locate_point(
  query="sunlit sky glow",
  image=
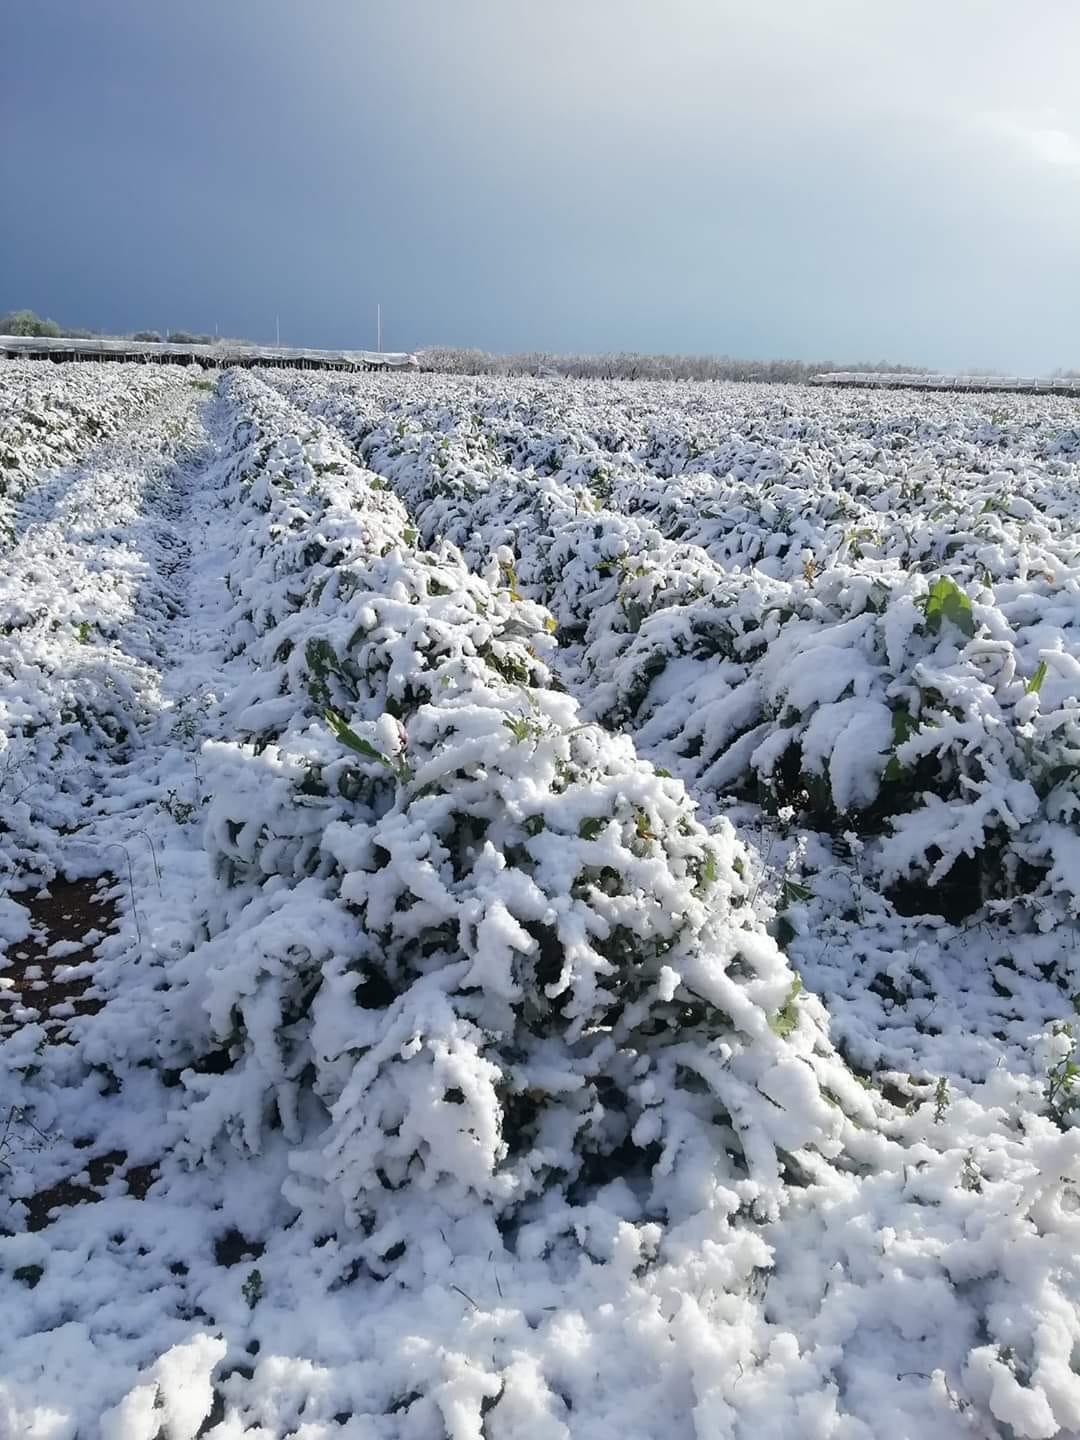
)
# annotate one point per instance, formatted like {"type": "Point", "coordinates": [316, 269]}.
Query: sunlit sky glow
{"type": "Point", "coordinates": [839, 179]}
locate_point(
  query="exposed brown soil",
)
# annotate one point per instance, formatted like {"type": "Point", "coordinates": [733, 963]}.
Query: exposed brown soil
{"type": "Point", "coordinates": [45, 985]}
{"type": "Point", "coordinates": [61, 1196]}
{"type": "Point", "coordinates": [139, 1179]}
{"type": "Point", "coordinates": [68, 1192]}
{"type": "Point", "coordinates": [51, 991]}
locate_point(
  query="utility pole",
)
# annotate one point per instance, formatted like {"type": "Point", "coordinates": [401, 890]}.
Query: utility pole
{"type": "Point", "coordinates": [277, 328]}
{"type": "Point", "coordinates": [378, 325]}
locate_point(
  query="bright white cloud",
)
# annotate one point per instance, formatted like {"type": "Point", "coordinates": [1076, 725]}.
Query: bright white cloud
{"type": "Point", "coordinates": [1056, 147]}
{"type": "Point", "coordinates": [1047, 143]}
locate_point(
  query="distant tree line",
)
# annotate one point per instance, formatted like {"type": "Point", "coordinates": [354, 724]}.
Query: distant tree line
{"type": "Point", "coordinates": [632, 366]}
{"type": "Point", "coordinates": [25, 322]}
{"type": "Point", "coordinates": [175, 337]}
{"type": "Point", "coordinates": [629, 365]}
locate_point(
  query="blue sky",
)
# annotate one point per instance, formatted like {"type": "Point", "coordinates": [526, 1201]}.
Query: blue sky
{"type": "Point", "coordinates": [839, 179]}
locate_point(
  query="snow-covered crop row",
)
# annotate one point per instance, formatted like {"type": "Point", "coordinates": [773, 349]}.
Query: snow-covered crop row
{"type": "Point", "coordinates": [83, 591]}
{"type": "Point", "coordinates": [884, 639]}
{"type": "Point", "coordinates": [496, 946]}
{"type": "Point", "coordinates": [50, 417]}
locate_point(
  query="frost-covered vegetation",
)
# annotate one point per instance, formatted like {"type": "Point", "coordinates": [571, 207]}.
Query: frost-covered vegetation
{"type": "Point", "coordinates": [630, 365]}
{"type": "Point", "coordinates": [843, 617]}
{"type": "Point", "coordinates": [597, 886]}
{"type": "Point", "coordinates": [50, 419]}
{"type": "Point", "coordinates": [26, 322]}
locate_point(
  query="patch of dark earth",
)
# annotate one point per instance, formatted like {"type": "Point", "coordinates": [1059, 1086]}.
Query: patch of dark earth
{"type": "Point", "coordinates": [70, 917]}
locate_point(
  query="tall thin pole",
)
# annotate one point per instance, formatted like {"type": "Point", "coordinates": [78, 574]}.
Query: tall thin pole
{"type": "Point", "coordinates": [277, 328]}
{"type": "Point", "coordinates": [378, 325]}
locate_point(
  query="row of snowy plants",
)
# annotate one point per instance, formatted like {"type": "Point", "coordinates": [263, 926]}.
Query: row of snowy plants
{"type": "Point", "coordinates": [465, 943]}
{"type": "Point", "coordinates": [51, 415]}
{"type": "Point", "coordinates": [82, 576]}
{"type": "Point", "coordinates": [891, 648]}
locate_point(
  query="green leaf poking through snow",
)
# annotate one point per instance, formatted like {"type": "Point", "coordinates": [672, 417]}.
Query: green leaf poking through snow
{"type": "Point", "coordinates": [946, 601]}
{"type": "Point", "coordinates": [787, 1017]}
{"type": "Point", "coordinates": [349, 737]}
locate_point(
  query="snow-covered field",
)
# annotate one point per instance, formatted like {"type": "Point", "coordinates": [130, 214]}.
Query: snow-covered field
{"type": "Point", "coordinates": [536, 909]}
